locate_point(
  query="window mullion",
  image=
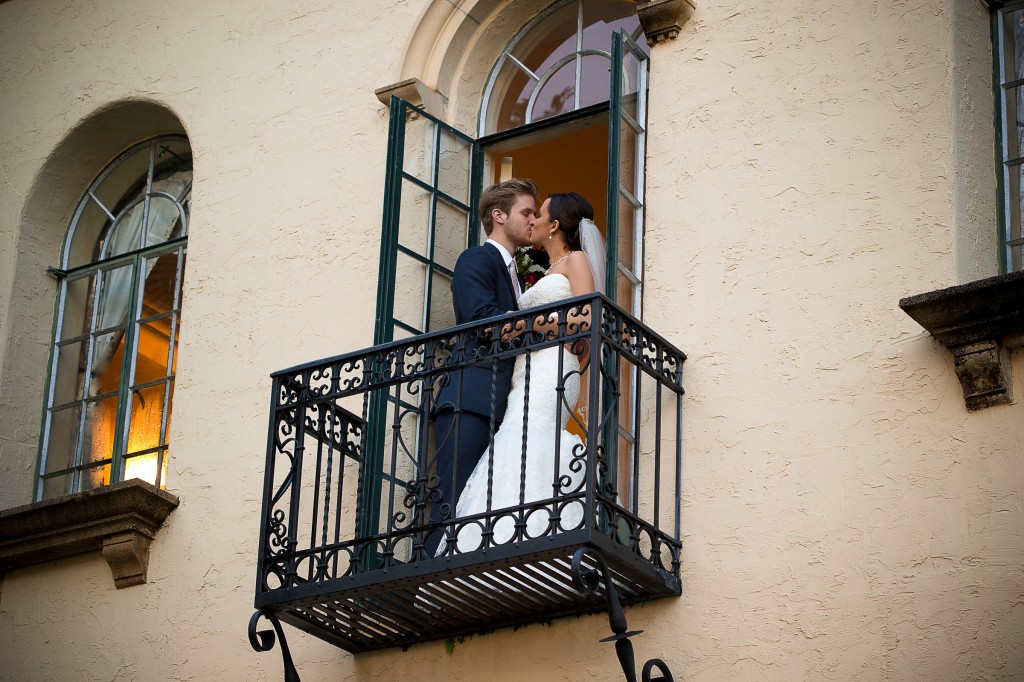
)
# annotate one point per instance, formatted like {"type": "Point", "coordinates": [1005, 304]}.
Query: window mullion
{"type": "Point", "coordinates": [527, 70]}
{"type": "Point", "coordinates": [579, 56]}
{"type": "Point", "coordinates": [130, 351]}
{"type": "Point", "coordinates": [146, 196]}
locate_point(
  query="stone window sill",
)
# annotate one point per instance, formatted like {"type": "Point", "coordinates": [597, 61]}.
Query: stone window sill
{"type": "Point", "coordinates": [978, 322]}
{"type": "Point", "coordinates": [120, 520]}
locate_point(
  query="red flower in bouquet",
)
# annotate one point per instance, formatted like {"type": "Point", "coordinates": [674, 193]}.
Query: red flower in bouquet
{"type": "Point", "coordinates": [529, 272]}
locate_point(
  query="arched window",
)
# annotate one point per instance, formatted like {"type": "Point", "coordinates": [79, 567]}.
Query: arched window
{"type": "Point", "coordinates": [112, 368]}
{"type": "Point", "coordinates": [559, 62]}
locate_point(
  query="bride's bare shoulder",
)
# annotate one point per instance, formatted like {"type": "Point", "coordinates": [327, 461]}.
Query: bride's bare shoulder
{"type": "Point", "coordinates": [577, 271]}
{"type": "Point", "coordinates": [577, 259]}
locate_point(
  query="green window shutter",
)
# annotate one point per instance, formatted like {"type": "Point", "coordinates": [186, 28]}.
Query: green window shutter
{"type": "Point", "coordinates": [627, 131]}
{"type": "Point", "coordinates": [429, 218]}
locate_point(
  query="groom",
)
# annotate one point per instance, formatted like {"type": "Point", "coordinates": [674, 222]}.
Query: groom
{"type": "Point", "coordinates": [485, 284]}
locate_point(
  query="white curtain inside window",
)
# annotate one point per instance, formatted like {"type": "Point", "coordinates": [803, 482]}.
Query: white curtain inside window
{"type": "Point", "coordinates": [128, 235]}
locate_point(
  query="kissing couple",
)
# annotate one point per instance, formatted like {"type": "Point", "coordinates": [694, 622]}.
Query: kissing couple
{"type": "Point", "coordinates": [486, 284]}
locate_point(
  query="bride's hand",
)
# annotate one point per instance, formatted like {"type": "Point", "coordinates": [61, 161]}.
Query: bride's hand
{"type": "Point", "coordinates": [578, 348]}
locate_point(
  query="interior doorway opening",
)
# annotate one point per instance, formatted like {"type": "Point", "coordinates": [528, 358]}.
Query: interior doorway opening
{"type": "Point", "coordinates": [571, 157]}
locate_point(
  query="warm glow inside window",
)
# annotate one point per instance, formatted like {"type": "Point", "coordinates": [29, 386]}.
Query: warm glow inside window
{"type": "Point", "coordinates": [112, 372]}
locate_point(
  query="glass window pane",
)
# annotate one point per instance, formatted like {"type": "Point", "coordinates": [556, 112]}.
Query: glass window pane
{"type": "Point", "coordinates": [627, 234]}
{"type": "Point", "coordinates": [1013, 37]}
{"type": "Point", "coordinates": [1015, 192]}
{"type": "Point", "coordinates": [152, 349]}
{"type": "Point", "coordinates": [553, 38]}
{"type": "Point", "coordinates": [56, 486]}
{"type": "Point", "coordinates": [173, 154]}
{"type": "Point", "coordinates": [514, 88]}
{"type": "Point", "coordinates": [158, 293]}
{"type": "Point", "coordinates": [594, 79]}
{"type": "Point", "coordinates": [627, 158]}
{"type": "Point", "coordinates": [418, 156]}
{"type": "Point", "coordinates": [119, 187]}
{"type": "Point", "coordinates": [1014, 125]}
{"type": "Point", "coordinates": [77, 306]}
{"type": "Point", "coordinates": [126, 234]}
{"type": "Point", "coordinates": [410, 290]}
{"type": "Point", "coordinates": [442, 311]}
{"type": "Point", "coordinates": [556, 96]}
{"type": "Point", "coordinates": [167, 414]}
{"type": "Point", "coordinates": [146, 417]}
{"type": "Point", "coordinates": [414, 222]}
{"type": "Point", "coordinates": [151, 219]}
{"type": "Point", "coordinates": [603, 17]}
{"type": "Point", "coordinates": [63, 438]}
{"type": "Point", "coordinates": [454, 161]}
{"type": "Point", "coordinates": [1014, 200]}
{"type": "Point", "coordinates": [68, 381]}
{"type": "Point", "coordinates": [624, 294]}
{"type": "Point", "coordinates": [94, 477]}
{"type": "Point", "coordinates": [146, 467]}
{"type": "Point", "coordinates": [451, 229]}
{"type": "Point", "coordinates": [115, 296]}
{"type": "Point", "coordinates": [100, 422]}
{"type": "Point", "coordinates": [92, 223]}
{"type": "Point", "coordinates": [174, 351]}
{"type": "Point", "coordinates": [165, 214]}
{"type": "Point", "coordinates": [107, 361]}
{"type": "Point", "coordinates": [632, 75]}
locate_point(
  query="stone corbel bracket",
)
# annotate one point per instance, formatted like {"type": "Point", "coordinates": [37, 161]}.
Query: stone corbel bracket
{"type": "Point", "coordinates": [417, 93]}
{"type": "Point", "coordinates": [978, 322]}
{"type": "Point", "coordinates": [663, 19]}
{"type": "Point", "coordinates": [120, 520]}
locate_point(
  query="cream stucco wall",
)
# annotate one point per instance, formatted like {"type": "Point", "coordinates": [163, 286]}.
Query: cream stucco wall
{"type": "Point", "coordinates": [845, 517]}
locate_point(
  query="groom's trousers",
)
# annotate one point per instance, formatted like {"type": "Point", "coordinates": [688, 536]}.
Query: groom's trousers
{"type": "Point", "coordinates": [461, 439]}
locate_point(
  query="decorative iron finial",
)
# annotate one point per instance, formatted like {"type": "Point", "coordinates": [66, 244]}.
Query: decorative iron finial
{"type": "Point", "coordinates": [590, 580]}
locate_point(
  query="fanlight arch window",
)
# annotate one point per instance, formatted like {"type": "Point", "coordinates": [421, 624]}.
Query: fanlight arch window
{"type": "Point", "coordinates": [112, 369]}
{"type": "Point", "coordinates": [559, 62]}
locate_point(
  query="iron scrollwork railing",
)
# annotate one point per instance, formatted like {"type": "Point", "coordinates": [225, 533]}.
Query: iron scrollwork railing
{"type": "Point", "coordinates": [351, 476]}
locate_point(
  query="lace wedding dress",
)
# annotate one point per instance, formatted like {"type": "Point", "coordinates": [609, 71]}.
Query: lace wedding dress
{"type": "Point", "coordinates": [548, 413]}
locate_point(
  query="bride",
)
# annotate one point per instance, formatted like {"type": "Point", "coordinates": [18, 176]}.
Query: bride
{"type": "Point", "coordinates": [564, 228]}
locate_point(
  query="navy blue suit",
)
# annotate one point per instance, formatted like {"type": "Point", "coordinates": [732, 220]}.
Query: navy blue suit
{"type": "Point", "coordinates": [481, 288]}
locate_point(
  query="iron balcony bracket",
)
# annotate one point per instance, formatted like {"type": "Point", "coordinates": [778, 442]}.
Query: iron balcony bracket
{"type": "Point", "coordinates": [589, 580]}
{"type": "Point", "coordinates": [264, 641]}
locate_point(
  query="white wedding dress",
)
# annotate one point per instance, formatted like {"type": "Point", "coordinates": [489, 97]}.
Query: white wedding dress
{"type": "Point", "coordinates": [548, 414]}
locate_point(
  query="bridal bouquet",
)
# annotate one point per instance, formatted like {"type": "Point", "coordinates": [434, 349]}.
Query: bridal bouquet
{"type": "Point", "coordinates": [529, 271]}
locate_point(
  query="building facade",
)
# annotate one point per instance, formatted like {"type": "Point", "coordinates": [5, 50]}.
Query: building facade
{"type": "Point", "coordinates": [851, 493]}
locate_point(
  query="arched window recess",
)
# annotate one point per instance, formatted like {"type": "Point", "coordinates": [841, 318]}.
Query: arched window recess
{"type": "Point", "coordinates": [112, 369]}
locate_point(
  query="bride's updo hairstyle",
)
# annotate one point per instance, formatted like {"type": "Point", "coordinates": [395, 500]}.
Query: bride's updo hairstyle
{"type": "Point", "coordinates": [569, 208]}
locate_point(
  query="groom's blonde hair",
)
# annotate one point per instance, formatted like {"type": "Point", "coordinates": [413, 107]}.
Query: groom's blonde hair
{"type": "Point", "coordinates": [502, 196]}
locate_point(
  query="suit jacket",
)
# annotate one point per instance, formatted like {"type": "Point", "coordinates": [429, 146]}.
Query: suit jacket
{"type": "Point", "coordinates": [481, 288]}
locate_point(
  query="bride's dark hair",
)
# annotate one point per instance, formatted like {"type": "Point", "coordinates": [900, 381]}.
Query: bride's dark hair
{"type": "Point", "coordinates": [569, 208]}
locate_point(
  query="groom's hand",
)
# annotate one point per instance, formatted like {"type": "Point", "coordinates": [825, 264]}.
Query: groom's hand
{"type": "Point", "coordinates": [512, 329]}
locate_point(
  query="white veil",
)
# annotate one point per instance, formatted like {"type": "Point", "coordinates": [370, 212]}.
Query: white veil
{"type": "Point", "coordinates": [593, 246]}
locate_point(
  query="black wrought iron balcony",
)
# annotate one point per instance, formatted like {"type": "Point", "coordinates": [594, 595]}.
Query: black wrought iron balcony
{"type": "Point", "coordinates": [358, 545]}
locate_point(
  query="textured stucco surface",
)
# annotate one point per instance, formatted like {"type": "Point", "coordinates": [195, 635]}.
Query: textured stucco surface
{"type": "Point", "coordinates": [845, 517]}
